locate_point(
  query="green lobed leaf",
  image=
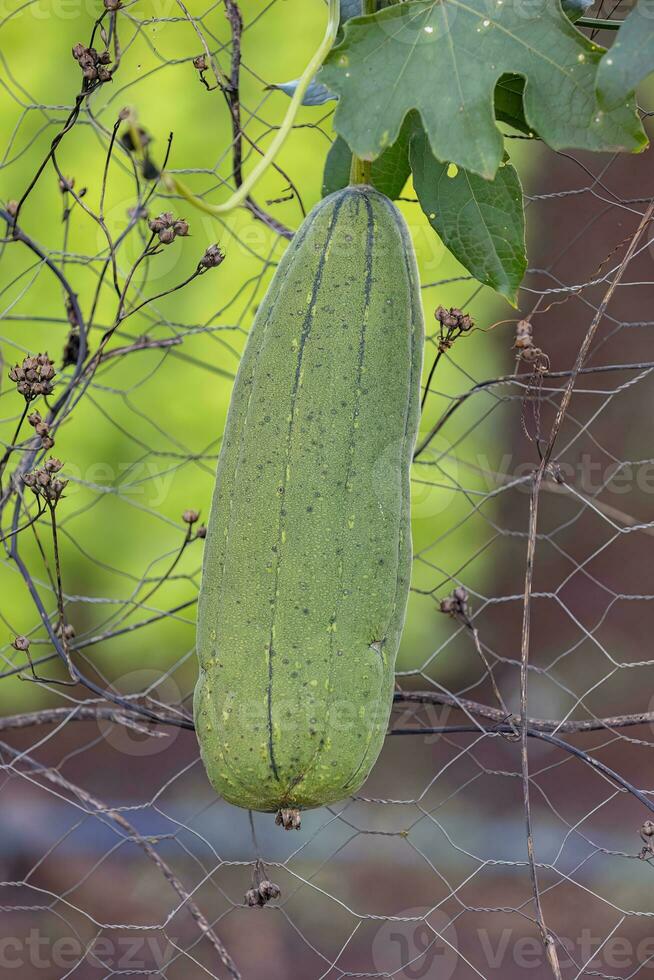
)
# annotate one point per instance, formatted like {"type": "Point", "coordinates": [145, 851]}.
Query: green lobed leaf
{"type": "Point", "coordinates": [480, 221]}
{"type": "Point", "coordinates": [509, 108]}
{"type": "Point", "coordinates": [630, 58]}
{"type": "Point", "coordinates": [427, 55]}
{"type": "Point", "coordinates": [390, 171]}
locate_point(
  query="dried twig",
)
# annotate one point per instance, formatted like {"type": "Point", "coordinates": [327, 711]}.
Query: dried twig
{"type": "Point", "coordinates": [548, 940]}
{"type": "Point", "coordinates": [97, 807]}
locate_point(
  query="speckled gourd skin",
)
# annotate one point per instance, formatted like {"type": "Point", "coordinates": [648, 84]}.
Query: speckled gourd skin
{"type": "Point", "coordinates": [308, 551]}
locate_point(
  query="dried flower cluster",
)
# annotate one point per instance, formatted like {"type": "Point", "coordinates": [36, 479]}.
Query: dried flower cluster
{"type": "Point", "coordinates": [453, 323]}
{"type": "Point", "coordinates": [456, 604]}
{"type": "Point", "coordinates": [21, 643]}
{"type": "Point", "coordinates": [264, 893]}
{"type": "Point", "coordinates": [647, 837]}
{"type": "Point", "coordinates": [34, 376]}
{"type": "Point", "coordinates": [45, 483]}
{"type": "Point", "coordinates": [527, 349]}
{"type": "Point", "coordinates": [42, 429]}
{"type": "Point", "coordinates": [289, 818]}
{"type": "Point", "coordinates": [213, 256]}
{"type": "Point", "coordinates": [454, 318]}
{"type": "Point", "coordinates": [93, 64]}
{"type": "Point", "coordinates": [167, 227]}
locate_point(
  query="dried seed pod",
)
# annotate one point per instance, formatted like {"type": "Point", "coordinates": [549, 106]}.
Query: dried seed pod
{"type": "Point", "coordinates": [34, 376]}
{"type": "Point", "coordinates": [166, 236]}
{"type": "Point", "coordinates": [289, 819]}
{"type": "Point", "coordinates": [212, 257]}
{"type": "Point", "coordinates": [268, 890]}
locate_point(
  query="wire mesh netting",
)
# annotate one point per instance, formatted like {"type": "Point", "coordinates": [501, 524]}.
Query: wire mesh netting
{"type": "Point", "coordinates": [504, 830]}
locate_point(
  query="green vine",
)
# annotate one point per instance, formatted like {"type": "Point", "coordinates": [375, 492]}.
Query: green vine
{"type": "Point", "coordinates": [239, 196]}
{"type": "Point", "coordinates": [361, 170]}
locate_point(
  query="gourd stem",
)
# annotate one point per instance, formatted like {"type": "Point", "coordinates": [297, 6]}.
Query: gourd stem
{"type": "Point", "coordinates": [239, 196]}
{"type": "Point", "coordinates": [361, 170]}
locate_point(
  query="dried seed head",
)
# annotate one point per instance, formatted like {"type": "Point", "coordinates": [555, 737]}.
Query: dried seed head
{"type": "Point", "coordinates": [34, 376]}
{"type": "Point", "coordinates": [12, 208]}
{"type": "Point", "coordinates": [201, 531]}
{"type": "Point", "coordinates": [45, 484]}
{"type": "Point", "coordinates": [288, 818]}
{"type": "Point", "coordinates": [200, 62]}
{"type": "Point", "coordinates": [268, 891]}
{"type": "Point", "coordinates": [212, 257]}
{"type": "Point", "coordinates": [190, 516]}
{"type": "Point", "coordinates": [21, 643]}
{"type": "Point", "coordinates": [253, 898]}
{"type": "Point", "coordinates": [523, 335]}
{"type": "Point", "coordinates": [157, 224]}
{"type": "Point", "coordinates": [42, 429]}
{"type": "Point", "coordinates": [647, 837]}
{"type": "Point", "coordinates": [453, 323]}
{"type": "Point", "coordinates": [92, 63]}
{"type": "Point", "coordinates": [456, 604]}
{"type": "Point", "coordinates": [112, 5]}
{"type": "Point", "coordinates": [647, 830]}
{"type": "Point", "coordinates": [166, 236]}
{"type": "Point", "coordinates": [181, 227]}
{"type": "Point", "coordinates": [66, 184]}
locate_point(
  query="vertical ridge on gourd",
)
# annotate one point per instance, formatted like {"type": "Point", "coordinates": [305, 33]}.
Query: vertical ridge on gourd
{"type": "Point", "coordinates": [308, 551]}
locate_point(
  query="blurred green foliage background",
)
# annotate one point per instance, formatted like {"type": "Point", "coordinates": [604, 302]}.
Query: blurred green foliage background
{"type": "Point", "coordinates": [140, 446]}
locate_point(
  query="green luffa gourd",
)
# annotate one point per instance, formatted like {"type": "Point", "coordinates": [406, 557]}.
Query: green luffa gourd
{"type": "Point", "coordinates": [308, 551]}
